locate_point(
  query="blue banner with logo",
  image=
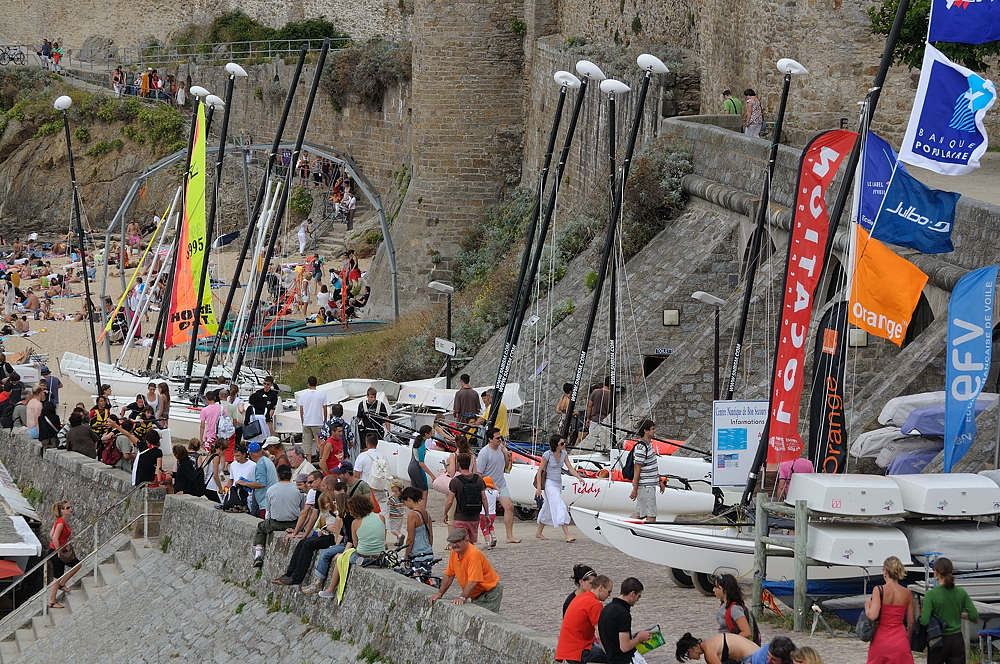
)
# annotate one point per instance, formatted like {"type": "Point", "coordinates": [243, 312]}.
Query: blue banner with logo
{"type": "Point", "coordinates": [945, 133]}
{"type": "Point", "coordinates": [964, 21]}
{"type": "Point", "coordinates": [876, 170]}
{"type": "Point", "coordinates": [970, 347]}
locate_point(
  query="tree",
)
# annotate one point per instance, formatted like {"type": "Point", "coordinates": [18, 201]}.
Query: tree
{"type": "Point", "coordinates": [910, 47]}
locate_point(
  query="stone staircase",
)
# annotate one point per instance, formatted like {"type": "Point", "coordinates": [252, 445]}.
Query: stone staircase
{"type": "Point", "coordinates": [29, 623]}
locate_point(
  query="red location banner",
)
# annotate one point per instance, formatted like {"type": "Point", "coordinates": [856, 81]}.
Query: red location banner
{"type": "Point", "coordinates": [810, 228]}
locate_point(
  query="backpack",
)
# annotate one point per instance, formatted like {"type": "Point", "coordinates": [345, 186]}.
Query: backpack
{"type": "Point", "coordinates": [7, 414]}
{"type": "Point", "coordinates": [109, 453]}
{"type": "Point", "coordinates": [381, 475]}
{"type": "Point", "coordinates": [628, 470]}
{"type": "Point", "coordinates": [199, 481]}
{"type": "Point", "coordinates": [754, 627]}
{"type": "Point", "coordinates": [225, 428]}
{"type": "Point", "coordinates": [469, 501]}
{"type": "Point", "coordinates": [236, 499]}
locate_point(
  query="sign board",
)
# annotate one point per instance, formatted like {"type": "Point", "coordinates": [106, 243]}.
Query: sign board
{"type": "Point", "coordinates": [444, 346]}
{"type": "Point", "coordinates": [663, 351]}
{"type": "Point", "coordinates": [736, 430]}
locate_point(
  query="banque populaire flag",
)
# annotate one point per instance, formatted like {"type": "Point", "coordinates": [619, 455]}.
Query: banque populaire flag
{"type": "Point", "coordinates": [945, 133]}
{"type": "Point", "coordinates": [964, 21]}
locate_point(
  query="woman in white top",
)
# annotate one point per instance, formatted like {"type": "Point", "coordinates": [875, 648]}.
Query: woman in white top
{"type": "Point", "coordinates": [548, 480]}
{"type": "Point", "coordinates": [305, 229]}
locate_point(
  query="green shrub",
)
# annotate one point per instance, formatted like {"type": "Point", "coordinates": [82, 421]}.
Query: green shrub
{"type": "Point", "coordinates": [560, 311]}
{"type": "Point", "coordinates": [132, 132]}
{"type": "Point", "coordinates": [493, 238]}
{"type": "Point", "coordinates": [101, 148]}
{"type": "Point", "coordinates": [49, 128]}
{"type": "Point", "coordinates": [653, 194]}
{"type": "Point", "coordinates": [82, 134]}
{"type": "Point", "coordinates": [590, 280]}
{"type": "Point", "coordinates": [366, 71]}
{"type": "Point", "coordinates": [301, 202]}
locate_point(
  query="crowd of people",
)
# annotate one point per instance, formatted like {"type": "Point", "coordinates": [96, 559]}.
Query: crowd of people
{"type": "Point", "coordinates": [148, 84]}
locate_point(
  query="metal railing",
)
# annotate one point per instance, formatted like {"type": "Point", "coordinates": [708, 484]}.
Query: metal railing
{"type": "Point", "coordinates": [78, 537]}
{"type": "Point", "coordinates": [155, 55]}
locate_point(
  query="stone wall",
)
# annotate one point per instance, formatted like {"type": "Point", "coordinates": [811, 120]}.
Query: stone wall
{"type": "Point", "coordinates": [143, 22]}
{"type": "Point", "coordinates": [383, 612]}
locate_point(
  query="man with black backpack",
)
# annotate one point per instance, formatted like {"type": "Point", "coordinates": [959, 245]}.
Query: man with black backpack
{"type": "Point", "coordinates": [643, 461]}
{"type": "Point", "coordinates": [467, 492]}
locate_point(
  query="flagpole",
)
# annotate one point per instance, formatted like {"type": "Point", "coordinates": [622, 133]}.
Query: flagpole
{"type": "Point", "coordinates": [838, 211]}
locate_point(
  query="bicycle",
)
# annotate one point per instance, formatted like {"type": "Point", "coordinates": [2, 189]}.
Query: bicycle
{"type": "Point", "coordinates": [12, 55]}
{"type": "Point", "coordinates": [420, 568]}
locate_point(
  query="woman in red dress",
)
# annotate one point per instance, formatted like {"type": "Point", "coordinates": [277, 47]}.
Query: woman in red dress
{"type": "Point", "coordinates": [59, 536]}
{"type": "Point", "coordinates": [891, 603]}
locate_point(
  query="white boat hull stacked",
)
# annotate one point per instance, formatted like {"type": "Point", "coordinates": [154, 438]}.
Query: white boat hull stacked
{"type": "Point", "coordinates": [596, 494]}
{"type": "Point", "coordinates": [80, 369]}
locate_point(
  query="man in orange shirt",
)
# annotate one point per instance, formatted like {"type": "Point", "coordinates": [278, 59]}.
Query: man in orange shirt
{"type": "Point", "coordinates": [476, 577]}
{"type": "Point", "coordinates": [579, 626]}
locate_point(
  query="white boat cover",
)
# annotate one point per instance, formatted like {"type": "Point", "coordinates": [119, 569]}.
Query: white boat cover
{"type": "Point", "coordinates": [902, 444]}
{"type": "Point", "coordinates": [895, 411]}
{"type": "Point", "coordinates": [970, 545]}
{"type": "Point", "coordinates": [870, 443]}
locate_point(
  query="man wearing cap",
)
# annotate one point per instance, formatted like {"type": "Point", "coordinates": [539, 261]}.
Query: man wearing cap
{"type": "Point", "coordinates": [264, 476]}
{"type": "Point", "coordinates": [477, 579]}
{"type": "Point", "coordinates": [345, 471]}
{"type": "Point", "coordinates": [276, 452]}
{"type": "Point", "coordinates": [284, 503]}
{"type": "Point", "coordinates": [52, 384]}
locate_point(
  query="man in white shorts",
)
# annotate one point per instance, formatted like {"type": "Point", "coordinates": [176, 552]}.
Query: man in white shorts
{"type": "Point", "coordinates": [312, 409]}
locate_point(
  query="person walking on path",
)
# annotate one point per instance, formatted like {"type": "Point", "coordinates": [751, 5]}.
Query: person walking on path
{"type": "Point", "coordinates": [615, 624]}
{"type": "Point", "coordinates": [493, 459]}
{"type": "Point", "coordinates": [753, 114]}
{"type": "Point", "coordinates": [548, 480]}
{"type": "Point", "coordinates": [477, 580]}
{"type": "Point", "coordinates": [59, 536]}
{"type": "Point", "coordinates": [947, 601]}
{"type": "Point", "coordinates": [731, 105]}
{"type": "Point", "coordinates": [468, 492]}
{"type": "Point", "coordinates": [646, 475]}
{"type": "Point", "coordinates": [890, 604]}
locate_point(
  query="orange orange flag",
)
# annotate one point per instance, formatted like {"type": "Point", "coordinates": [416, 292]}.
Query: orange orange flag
{"type": "Point", "coordinates": [885, 290]}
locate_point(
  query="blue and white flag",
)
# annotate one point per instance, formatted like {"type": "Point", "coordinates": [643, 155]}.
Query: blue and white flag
{"type": "Point", "coordinates": [876, 170]}
{"type": "Point", "coordinates": [914, 215]}
{"type": "Point", "coordinates": [909, 213]}
{"type": "Point", "coordinates": [970, 346]}
{"type": "Point", "coordinates": [964, 21]}
{"type": "Point", "coordinates": [945, 133]}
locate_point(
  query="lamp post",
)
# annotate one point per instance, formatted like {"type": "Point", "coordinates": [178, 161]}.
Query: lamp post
{"type": "Point", "coordinates": [62, 104]}
{"type": "Point", "coordinates": [447, 289]}
{"type": "Point", "coordinates": [718, 303]}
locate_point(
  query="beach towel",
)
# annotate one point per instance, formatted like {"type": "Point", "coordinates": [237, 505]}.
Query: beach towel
{"type": "Point", "coordinates": [343, 567]}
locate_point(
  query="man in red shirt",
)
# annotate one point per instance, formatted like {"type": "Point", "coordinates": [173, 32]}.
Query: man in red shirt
{"type": "Point", "coordinates": [579, 626]}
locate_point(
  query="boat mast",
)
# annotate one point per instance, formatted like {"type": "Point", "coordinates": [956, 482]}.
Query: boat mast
{"type": "Point", "coordinates": [835, 215]}
{"type": "Point", "coordinates": [789, 67]}
{"type": "Point", "coordinates": [589, 71]}
{"type": "Point", "coordinates": [252, 220]}
{"type": "Point", "coordinates": [651, 65]}
{"type": "Point", "coordinates": [234, 71]}
{"type": "Point", "coordinates": [276, 222]}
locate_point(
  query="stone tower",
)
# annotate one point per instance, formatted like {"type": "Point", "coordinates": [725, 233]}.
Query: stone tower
{"type": "Point", "coordinates": [467, 94]}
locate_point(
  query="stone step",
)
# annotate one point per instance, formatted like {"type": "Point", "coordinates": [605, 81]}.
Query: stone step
{"type": "Point", "coordinates": [8, 650]}
{"type": "Point", "coordinates": [108, 574]}
{"type": "Point", "coordinates": [25, 636]}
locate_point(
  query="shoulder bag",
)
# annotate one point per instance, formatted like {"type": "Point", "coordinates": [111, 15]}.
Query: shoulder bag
{"type": "Point", "coordinates": [865, 627]}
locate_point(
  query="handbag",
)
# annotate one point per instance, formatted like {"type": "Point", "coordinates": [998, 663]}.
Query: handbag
{"type": "Point", "coordinates": [66, 554]}
{"type": "Point", "coordinates": [252, 429]}
{"type": "Point", "coordinates": [865, 627]}
{"type": "Point", "coordinates": [441, 482]}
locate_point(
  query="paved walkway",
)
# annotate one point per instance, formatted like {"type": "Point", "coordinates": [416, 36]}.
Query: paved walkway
{"type": "Point", "coordinates": [536, 577]}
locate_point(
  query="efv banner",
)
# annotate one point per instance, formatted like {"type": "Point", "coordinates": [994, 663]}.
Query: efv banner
{"type": "Point", "coordinates": [945, 133]}
{"type": "Point", "coordinates": [964, 21]}
{"type": "Point", "coordinates": [909, 213]}
{"type": "Point", "coordinates": [970, 347]}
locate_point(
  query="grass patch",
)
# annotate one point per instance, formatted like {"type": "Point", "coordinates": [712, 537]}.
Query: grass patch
{"type": "Point", "coordinates": [165, 543]}
{"type": "Point", "coordinates": [403, 351]}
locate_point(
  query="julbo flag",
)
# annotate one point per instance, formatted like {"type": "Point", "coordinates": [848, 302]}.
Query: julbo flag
{"type": "Point", "coordinates": [885, 290]}
{"type": "Point", "coordinates": [970, 347]}
{"type": "Point", "coordinates": [806, 248]}
{"type": "Point", "coordinates": [945, 133]}
{"type": "Point", "coordinates": [964, 21]}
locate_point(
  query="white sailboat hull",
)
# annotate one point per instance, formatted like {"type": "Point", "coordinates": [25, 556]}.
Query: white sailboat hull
{"type": "Point", "coordinates": [597, 494]}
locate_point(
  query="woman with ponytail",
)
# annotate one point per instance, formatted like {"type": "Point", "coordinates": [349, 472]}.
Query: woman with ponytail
{"type": "Point", "coordinates": [947, 601]}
